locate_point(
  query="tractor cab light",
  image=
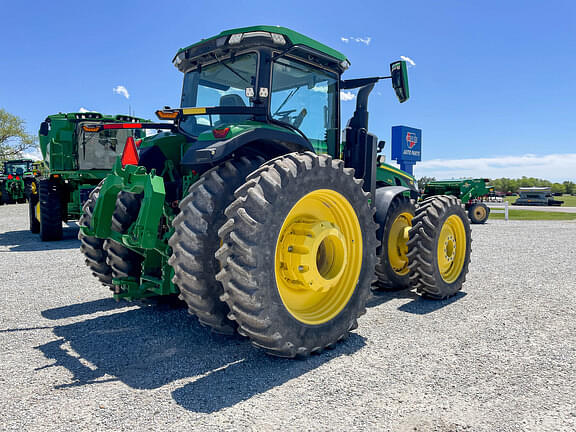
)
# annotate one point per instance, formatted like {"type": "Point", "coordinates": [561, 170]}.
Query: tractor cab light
{"type": "Point", "coordinates": [130, 153]}
{"type": "Point", "coordinates": [55, 175]}
{"type": "Point", "coordinates": [235, 39]}
{"type": "Point", "coordinates": [220, 133]}
{"type": "Point", "coordinates": [91, 128]}
{"type": "Point", "coordinates": [167, 115]}
{"type": "Point", "coordinates": [278, 39]}
{"type": "Point", "coordinates": [10, 177]}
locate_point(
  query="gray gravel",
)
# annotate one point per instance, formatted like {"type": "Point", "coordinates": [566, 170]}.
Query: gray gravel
{"type": "Point", "coordinates": [498, 357]}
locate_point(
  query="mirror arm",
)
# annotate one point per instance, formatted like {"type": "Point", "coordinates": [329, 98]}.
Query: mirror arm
{"type": "Point", "coordinates": [360, 82]}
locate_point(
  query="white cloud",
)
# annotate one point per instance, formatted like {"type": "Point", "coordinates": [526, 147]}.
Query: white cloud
{"type": "Point", "coordinates": [554, 167]}
{"type": "Point", "coordinates": [346, 96]}
{"type": "Point", "coordinates": [408, 60]}
{"type": "Point", "coordinates": [121, 90]}
{"type": "Point", "coordinates": [85, 110]}
{"type": "Point", "coordinates": [365, 40]}
{"type": "Point", "coordinates": [35, 155]}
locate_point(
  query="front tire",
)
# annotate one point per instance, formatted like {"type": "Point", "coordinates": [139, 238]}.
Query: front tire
{"type": "Point", "coordinates": [50, 211]}
{"type": "Point", "coordinates": [195, 241]}
{"type": "Point", "coordinates": [298, 254]}
{"type": "Point", "coordinates": [92, 247]}
{"type": "Point", "coordinates": [439, 247]}
{"type": "Point", "coordinates": [124, 262]}
{"type": "Point", "coordinates": [392, 268]}
{"type": "Point", "coordinates": [478, 213]}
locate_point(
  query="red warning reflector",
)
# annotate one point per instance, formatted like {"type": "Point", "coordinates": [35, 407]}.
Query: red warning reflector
{"type": "Point", "coordinates": [220, 133]}
{"type": "Point", "coordinates": [130, 153]}
{"type": "Point", "coordinates": [9, 176]}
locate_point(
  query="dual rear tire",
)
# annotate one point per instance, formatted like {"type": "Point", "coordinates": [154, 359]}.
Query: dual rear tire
{"type": "Point", "coordinates": [294, 255]}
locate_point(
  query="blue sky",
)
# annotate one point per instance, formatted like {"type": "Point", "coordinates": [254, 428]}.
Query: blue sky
{"type": "Point", "coordinates": [493, 87]}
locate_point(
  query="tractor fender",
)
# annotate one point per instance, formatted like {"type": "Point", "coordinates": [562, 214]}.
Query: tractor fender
{"type": "Point", "coordinates": [382, 199]}
{"type": "Point", "coordinates": [267, 142]}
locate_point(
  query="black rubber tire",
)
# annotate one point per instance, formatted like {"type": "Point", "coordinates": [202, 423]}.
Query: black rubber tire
{"type": "Point", "coordinates": [195, 241]}
{"type": "Point", "coordinates": [124, 262]}
{"type": "Point", "coordinates": [388, 279]}
{"type": "Point", "coordinates": [248, 252]}
{"type": "Point", "coordinates": [478, 213]}
{"type": "Point", "coordinates": [34, 223]}
{"type": "Point", "coordinates": [427, 224]}
{"type": "Point", "coordinates": [93, 247]}
{"type": "Point", "coordinates": [50, 211]}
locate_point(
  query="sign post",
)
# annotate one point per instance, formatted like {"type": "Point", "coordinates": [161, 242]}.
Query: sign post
{"type": "Point", "coordinates": [406, 146]}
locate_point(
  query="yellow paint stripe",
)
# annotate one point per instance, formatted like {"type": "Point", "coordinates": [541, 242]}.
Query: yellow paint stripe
{"type": "Point", "coordinates": [190, 111]}
{"type": "Point", "coordinates": [389, 168]}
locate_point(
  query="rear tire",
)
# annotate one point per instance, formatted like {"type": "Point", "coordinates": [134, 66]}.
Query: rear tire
{"type": "Point", "coordinates": [50, 211]}
{"type": "Point", "coordinates": [392, 267]}
{"type": "Point", "coordinates": [478, 213]}
{"type": "Point", "coordinates": [439, 247]}
{"type": "Point", "coordinates": [312, 202]}
{"type": "Point", "coordinates": [195, 241]}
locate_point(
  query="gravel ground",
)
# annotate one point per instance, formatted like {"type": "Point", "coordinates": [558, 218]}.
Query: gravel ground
{"type": "Point", "coordinates": [498, 357]}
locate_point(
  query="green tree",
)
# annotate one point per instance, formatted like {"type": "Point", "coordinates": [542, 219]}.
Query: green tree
{"type": "Point", "coordinates": [558, 188]}
{"type": "Point", "coordinates": [423, 180]}
{"type": "Point", "coordinates": [569, 187]}
{"type": "Point", "coordinates": [13, 137]}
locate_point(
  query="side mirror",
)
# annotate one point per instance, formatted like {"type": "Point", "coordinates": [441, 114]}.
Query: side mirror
{"type": "Point", "coordinates": [44, 129]}
{"type": "Point", "coordinates": [399, 74]}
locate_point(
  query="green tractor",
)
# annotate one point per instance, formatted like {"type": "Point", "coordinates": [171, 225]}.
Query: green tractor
{"type": "Point", "coordinates": [253, 210]}
{"type": "Point", "coordinates": [75, 161]}
{"type": "Point", "coordinates": [469, 191]}
{"type": "Point", "coordinates": [15, 181]}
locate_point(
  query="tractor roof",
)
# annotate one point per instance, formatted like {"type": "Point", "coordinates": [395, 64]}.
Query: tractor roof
{"type": "Point", "coordinates": [229, 38]}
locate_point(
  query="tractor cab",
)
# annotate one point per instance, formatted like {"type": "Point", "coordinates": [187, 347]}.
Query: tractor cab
{"type": "Point", "coordinates": [262, 76]}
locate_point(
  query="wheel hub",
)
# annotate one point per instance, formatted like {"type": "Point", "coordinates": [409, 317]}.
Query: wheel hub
{"type": "Point", "coordinates": [314, 256]}
{"type": "Point", "coordinates": [450, 248]}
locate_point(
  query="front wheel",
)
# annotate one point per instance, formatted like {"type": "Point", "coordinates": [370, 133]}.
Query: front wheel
{"type": "Point", "coordinates": [439, 247]}
{"type": "Point", "coordinates": [298, 254]}
{"type": "Point", "coordinates": [478, 213]}
{"type": "Point", "coordinates": [392, 268]}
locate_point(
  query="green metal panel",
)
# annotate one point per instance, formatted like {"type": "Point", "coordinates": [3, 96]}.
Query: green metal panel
{"type": "Point", "coordinates": [294, 37]}
{"type": "Point", "coordinates": [464, 189]}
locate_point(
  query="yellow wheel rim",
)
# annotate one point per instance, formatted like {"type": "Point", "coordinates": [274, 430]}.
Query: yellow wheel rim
{"type": "Point", "coordinates": [451, 249]}
{"type": "Point", "coordinates": [37, 211]}
{"type": "Point", "coordinates": [397, 243]}
{"type": "Point", "coordinates": [33, 188]}
{"type": "Point", "coordinates": [318, 256]}
{"type": "Point", "coordinates": [479, 212]}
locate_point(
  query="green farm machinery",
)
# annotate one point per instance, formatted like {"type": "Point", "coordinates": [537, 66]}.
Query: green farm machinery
{"type": "Point", "coordinates": [470, 191]}
{"type": "Point", "coordinates": [75, 161]}
{"type": "Point", "coordinates": [15, 180]}
{"type": "Point", "coordinates": [253, 210]}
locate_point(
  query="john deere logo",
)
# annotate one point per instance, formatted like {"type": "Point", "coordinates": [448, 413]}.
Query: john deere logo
{"type": "Point", "coordinates": [411, 139]}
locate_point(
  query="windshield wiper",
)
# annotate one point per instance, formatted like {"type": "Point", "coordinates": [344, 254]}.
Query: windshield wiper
{"type": "Point", "coordinates": [292, 93]}
{"type": "Point", "coordinates": [230, 69]}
